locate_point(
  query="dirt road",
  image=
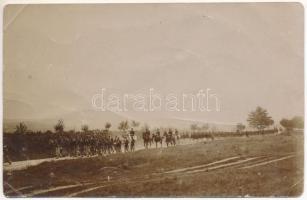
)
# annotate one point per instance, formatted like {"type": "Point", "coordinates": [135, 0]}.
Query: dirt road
{"type": "Point", "coordinates": [20, 165]}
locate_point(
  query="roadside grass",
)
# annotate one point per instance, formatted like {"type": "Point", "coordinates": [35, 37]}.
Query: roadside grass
{"type": "Point", "coordinates": [265, 181]}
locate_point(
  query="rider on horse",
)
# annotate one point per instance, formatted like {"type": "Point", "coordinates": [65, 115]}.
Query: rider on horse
{"type": "Point", "coordinates": [132, 137]}
{"type": "Point", "coordinates": [157, 138]}
{"type": "Point", "coordinates": [146, 138]}
{"type": "Point", "coordinates": [132, 133]}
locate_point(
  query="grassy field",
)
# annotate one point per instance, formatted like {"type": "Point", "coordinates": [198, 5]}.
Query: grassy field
{"type": "Point", "coordinates": [258, 166]}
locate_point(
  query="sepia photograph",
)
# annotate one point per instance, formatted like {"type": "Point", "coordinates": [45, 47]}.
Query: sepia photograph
{"type": "Point", "coordinates": [153, 100]}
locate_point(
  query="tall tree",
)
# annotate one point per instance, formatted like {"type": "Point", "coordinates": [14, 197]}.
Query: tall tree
{"type": "Point", "coordinates": [205, 127]}
{"type": "Point", "coordinates": [21, 128]}
{"type": "Point", "coordinates": [194, 127]}
{"type": "Point", "coordinates": [287, 124]}
{"type": "Point", "coordinates": [59, 127]}
{"type": "Point", "coordinates": [290, 124]}
{"type": "Point", "coordinates": [84, 128]}
{"type": "Point", "coordinates": [298, 122]}
{"type": "Point", "coordinates": [259, 119]}
{"type": "Point", "coordinates": [240, 127]}
{"type": "Point", "coordinates": [108, 126]}
{"type": "Point", "coordinates": [123, 126]}
{"type": "Point", "coordinates": [135, 124]}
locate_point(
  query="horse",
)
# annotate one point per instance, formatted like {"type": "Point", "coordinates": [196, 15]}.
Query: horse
{"type": "Point", "coordinates": [132, 145]}
{"type": "Point", "coordinates": [177, 135]}
{"type": "Point", "coordinates": [147, 139]}
{"type": "Point", "coordinates": [126, 144]}
{"type": "Point", "coordinates": [151, 140]}
{"type": "Point", "coordinates": [169, 139]}
{"type": "Point", "coordinates": [158, 139]}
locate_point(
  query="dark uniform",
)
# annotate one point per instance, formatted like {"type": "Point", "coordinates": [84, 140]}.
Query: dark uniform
{"type": "Point", "coordinates": [126, 143]}
{"type": "Point", "coordinates": [6, 154]}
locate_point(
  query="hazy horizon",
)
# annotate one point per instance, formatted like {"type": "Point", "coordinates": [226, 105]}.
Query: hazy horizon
{"type": "Point", "coordinates": [56, 57]}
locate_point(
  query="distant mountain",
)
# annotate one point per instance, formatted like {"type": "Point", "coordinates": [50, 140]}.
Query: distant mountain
{"type": "Point", "coordinates": [16, 111]}
{"type": "Point", "coordinates": [97, 119]}
{"type": "Point", "coordinates": [186, 123]}
{"type": "Point", "coordinates": [13, 108]}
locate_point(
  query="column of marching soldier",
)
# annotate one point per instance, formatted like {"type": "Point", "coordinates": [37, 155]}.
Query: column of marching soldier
{"type": "Point", "coordinates": [82, 144]}
{"type": "Point", "coordinates": [24, 146]}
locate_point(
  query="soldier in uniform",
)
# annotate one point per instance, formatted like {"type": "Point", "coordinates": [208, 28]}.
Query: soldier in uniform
{"type": "Point", "coordinates": [6, 154]}
{"type": "Point", "coordinates": [158, 133]}
{"type": "Point", "coordinates": [115, 144]}
{"type": "Point", "coordinates": [109, 145]}
{"type": "Point", "coordinates": [87, 146]}
{"type": "Point", "coordinates": [171, 138]}
{"type": "Point", "coordinates": [58, 146]}
{"type": "Point", "coordinates": [170, 132]}
{"type": "Point", "coordinates": [132, 144]}
{"type": "Point", "coordinates": [92, 145]}
{"type": "Point", "coordinates": [177, 135]}
{"type": "Point", "coordinates": [126, 144]}
{"type": "Point", "coordinates": [81, 145]}
{"type": "Point", "coordinates": [147, 138]}
{"type": "Point", "coordinates": [119, 145]}
{"type": "Point", "coordinates": [157, 138]}
{"type": "Point", "coordinates": [132, 133]}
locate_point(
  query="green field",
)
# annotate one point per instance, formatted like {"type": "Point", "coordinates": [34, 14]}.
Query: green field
{"type": "Point", "coordinates": [270, 165]}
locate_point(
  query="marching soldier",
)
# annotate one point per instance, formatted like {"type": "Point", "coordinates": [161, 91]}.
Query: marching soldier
{"type": "Point", "coordinates": [6, 154]}
{"type": "Point", "coordinates": [126, 144]}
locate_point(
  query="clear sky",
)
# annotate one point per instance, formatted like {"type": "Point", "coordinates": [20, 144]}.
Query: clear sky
{"type": "Point", "coordinates": [56, 57]}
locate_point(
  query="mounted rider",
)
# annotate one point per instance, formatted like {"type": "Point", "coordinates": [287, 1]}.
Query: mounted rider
{"type": "Point", "coordinates": [126, 144]}
{"type": "Point", "coordinates": [170, 133]}
{"type": "Point", "coordinates": [170, 138]}
{"type": "Point", "coordinates": [133, 139]}
{"type": "Point", "coordinates": [132, 134]}
{"type": "Point", "coordinates": [158, 133]}
{"type": "Point", "coordinates": [157, 138]}
{"type": "Point", "coordinates": [146, 138]}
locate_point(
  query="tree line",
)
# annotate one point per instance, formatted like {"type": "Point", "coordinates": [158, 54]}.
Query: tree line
{"type": "Point", "coordinates": [258, 119]}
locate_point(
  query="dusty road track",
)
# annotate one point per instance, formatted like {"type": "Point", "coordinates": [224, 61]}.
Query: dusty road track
{"type": "Point", "coordinates": [239, 162]}
{"type": "Point", "coordinates": [269, 161]}
{"type": "Point", "coordinates": [225, 163]}
{"type": "Point", "coordinates": [200, 166]}
{"type": "Point", "coordinates": [45, 191]}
